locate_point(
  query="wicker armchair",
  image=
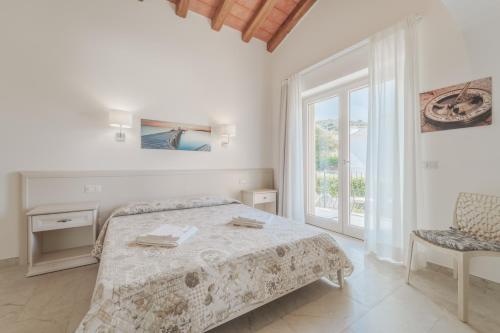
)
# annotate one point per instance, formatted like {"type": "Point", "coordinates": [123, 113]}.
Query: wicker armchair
{"type": "Point", "coordinates": [475, 232]}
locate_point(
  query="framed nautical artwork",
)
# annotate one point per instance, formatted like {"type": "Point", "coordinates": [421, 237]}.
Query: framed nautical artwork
{"type": "Point", "coordinates": [174, 136]}
{"type": "Point", "coordinates": [464, 105]}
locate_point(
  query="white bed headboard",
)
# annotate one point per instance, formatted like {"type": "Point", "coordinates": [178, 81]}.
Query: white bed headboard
{"type": "Point", "coordinates": [120, 187]}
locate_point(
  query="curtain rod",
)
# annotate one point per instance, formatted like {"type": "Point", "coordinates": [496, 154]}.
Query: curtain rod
{"type": "Point", "coordinates": [342, 53]}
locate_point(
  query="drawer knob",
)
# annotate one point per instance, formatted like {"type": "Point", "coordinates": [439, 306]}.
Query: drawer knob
{"type": "Point", "coordinates": [64, 220]}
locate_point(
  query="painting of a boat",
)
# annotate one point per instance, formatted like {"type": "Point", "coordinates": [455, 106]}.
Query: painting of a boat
{"type": "Point", "coordinates": [174, 136]}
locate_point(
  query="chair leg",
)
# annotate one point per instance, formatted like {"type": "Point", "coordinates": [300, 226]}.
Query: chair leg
{"type": "Point", "coordinates": [463, 286]}
{"type": "Point", "coordinates": [340, 278]}
{"type": "Point", "coordinates": [410, 256]}
{"type": "Point", "coordinates": [455, 268]}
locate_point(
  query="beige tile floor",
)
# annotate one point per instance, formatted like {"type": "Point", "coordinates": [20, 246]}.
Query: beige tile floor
{"type": "Point", "coordinates": [375, 299]}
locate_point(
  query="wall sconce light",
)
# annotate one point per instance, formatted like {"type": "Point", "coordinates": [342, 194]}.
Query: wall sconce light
{"type": "Point", "coordinates": [121, 119]}
{"type": "Point", "coordinates": [226, 132]}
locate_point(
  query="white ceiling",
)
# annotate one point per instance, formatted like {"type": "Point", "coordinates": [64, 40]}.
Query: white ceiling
{"type": "Point", "coordinates": [474, 14]}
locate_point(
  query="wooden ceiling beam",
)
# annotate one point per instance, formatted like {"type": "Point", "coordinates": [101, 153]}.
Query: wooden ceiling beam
{"type": "Point", "coordinates": [262, 13]}
{"type": "Point", "coordinates": [302, 7]}
{"type": "Point", "coordinates": [221, 13]}
{"type": "Point", "coordinates": [181, 8]}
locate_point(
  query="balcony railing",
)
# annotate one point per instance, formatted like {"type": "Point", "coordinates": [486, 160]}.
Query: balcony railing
{"type": "Point", "coordinates": [327, 190]}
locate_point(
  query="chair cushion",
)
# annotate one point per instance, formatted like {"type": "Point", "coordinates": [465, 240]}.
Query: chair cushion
{"type": "Point", "coordinates": [457, 240]}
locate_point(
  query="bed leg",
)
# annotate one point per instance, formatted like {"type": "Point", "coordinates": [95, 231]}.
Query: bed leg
{"type": "Point", "coordinates": [340, 278]}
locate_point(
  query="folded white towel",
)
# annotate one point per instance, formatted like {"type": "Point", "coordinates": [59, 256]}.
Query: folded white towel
{"type": "Point", "coordinates": [249, 220]}
{"type": "Point", "coordinates": [242, 221]}
{"type": "Point", "coordinates": [248, 225]}
{"type": "Point", "coordinates": [167, 235]}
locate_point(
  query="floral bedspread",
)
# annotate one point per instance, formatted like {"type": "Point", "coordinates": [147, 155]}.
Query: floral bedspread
{"type": "Point", "coordinates": [222, 271]}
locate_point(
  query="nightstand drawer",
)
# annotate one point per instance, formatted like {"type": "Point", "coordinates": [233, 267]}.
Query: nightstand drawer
{"type": "Point", "coordinates": [61, 221]}
{"type": "Point", "coordinates": [265, 197]}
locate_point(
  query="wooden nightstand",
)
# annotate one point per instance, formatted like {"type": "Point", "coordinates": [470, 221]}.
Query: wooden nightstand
{"type": "Point", "coordinates": [264, 199]}
{"type": "Point", "coordinates": [61, 237]}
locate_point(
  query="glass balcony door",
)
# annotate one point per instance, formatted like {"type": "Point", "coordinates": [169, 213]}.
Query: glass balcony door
{"type": "Point", "coordinates": [323, 155]}
{"type": "Point", "coordinates": [356, 168]}
{"type": "Point", "coordinates": [336, 141]}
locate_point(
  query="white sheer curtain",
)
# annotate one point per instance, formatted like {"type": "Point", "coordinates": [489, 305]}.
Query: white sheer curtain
{"type": "Point", "coordinates": [291, 161]}
{"type": "Point", "coordinates": [393, 145]}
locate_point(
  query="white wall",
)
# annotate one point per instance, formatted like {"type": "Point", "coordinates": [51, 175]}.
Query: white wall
{"type": "Point", "coordinates": [456, 44]}
{"type": "Point", "coordinates": [459, 43]}
{"type": "Point", "coordinates": [63, 64]}
{"type": "Point", "coordinates": [344, 65]}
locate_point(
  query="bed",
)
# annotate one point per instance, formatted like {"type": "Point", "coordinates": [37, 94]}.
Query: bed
{"type": "Point", "coordinates": [220, 273]}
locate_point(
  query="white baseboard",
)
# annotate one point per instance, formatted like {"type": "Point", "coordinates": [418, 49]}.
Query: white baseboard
{"type": "Point", "coordinates": [9, 262]}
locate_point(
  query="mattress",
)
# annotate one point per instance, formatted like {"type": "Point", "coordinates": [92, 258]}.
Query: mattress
{"type": "Point", "coordinates": [220, 272]}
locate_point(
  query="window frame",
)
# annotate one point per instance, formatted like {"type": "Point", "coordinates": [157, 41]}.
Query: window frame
{"type": "Point", "coordinates": [343, 93]}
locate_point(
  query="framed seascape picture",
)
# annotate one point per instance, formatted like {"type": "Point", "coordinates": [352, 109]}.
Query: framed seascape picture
{"type": "Point", "coordinates": [174, 136]}
{"type": "Point", "coordinates": [463, 105]}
